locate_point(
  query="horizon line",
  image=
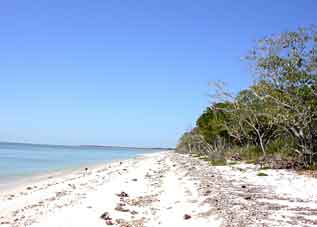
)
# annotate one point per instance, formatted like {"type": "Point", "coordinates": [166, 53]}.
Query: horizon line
{"type": "Point", "coordinates": [85, 145]}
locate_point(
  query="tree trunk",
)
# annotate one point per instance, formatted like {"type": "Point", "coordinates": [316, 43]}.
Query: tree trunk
{"type": "Point", "coordinates": [261, 142]}
{"type": "Point", "coordinates": [189, 148]}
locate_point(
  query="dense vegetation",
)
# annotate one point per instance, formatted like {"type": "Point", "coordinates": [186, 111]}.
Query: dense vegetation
{"type": "Point", "coordinates": [275, 118]}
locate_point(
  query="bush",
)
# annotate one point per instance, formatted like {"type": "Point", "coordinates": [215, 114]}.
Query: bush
{"type": "Point", "coordinates": [250, 154]}
{"type": "Point", "coordinates": [217, 162]}
{"type": "Point", "coordinates": [195, 155]}
{"type": "Point", "coordinates": [260, 174]}
{"type": "Point", "coordinates": [204, 157]}
{"type": "Point", "coordinates": [284, 147]}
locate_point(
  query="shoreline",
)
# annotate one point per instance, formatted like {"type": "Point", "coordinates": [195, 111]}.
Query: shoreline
{"type": "Point", "coordinates": [163, 189]}
{"type": "Point", "coordinates": [23, 181]}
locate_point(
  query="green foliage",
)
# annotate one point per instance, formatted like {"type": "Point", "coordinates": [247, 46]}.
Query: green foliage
{"type": "Point", "coordinates": [218, 162]}
{"type": "Point", "coordinates": [312, 167]}
{"type": "Point", "coordinates": [250, 161]}
{"type": "Point", "coordinates": [195, 155]}
{"type": "Point", "coordinates": [276, 115]}
{"type": "Point", "coordinates": [261, 174]}
{"type": "Point", "coordinates": [249, 153]}
{"type": "Point", "coordinates": [193, 143]}
{"type": "Point", "coordinates": [211, 124]}
{"type": "Point", "coordinates": [286, 67]}
{"type": "Point", "coordinates": [204, 157]}
{"type": "Point", "coordinates": [232, 163]}
{"type": "Point", "coordinates": [283, 146]}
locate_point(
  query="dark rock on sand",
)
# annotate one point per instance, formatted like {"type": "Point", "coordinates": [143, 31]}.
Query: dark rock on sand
{"type": "Point", "coordinates": [133, 212]}
{"type": "Point", "coordinates": [105, 216]}
{"type": "Point", "coordinates": [123, 194]}
{"type": "Point", "coordinates": [247, 198]}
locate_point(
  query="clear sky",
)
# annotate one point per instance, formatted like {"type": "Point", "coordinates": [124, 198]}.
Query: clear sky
{"type": "Point", "coordinates": [125, 72]}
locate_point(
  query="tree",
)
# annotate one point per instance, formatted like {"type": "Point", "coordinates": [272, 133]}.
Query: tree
{"type": "Point", "coordinates": [223, 101]}
{"type": "Point", "coordinates": [211, 124]}
{"type": "Point", "coordinates": [257, 123]}
{"type": "Point", "coordinates": [193, 143]}
{"type": "Point", "coordinates": [286, 72]}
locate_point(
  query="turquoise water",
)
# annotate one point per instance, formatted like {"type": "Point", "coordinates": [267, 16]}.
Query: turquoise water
{"type": "Point", "coordinates": [21, 160]}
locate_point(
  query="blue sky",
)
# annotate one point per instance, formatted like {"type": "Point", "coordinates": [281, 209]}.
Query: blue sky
{"type": "Point", "coordinates": [125, 72]}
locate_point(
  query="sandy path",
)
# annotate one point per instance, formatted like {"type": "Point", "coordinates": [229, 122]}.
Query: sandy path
{"type": "Point", "coordinates": [163, 189]}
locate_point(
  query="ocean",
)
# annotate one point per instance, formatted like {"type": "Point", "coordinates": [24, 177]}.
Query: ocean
{"type": "Point", "coordinates": [18, 161]}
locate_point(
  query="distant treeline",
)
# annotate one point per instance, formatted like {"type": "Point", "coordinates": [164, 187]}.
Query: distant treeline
{"type": "Point", "coordinates": [275, 119]}
{"type": "Point", "coordinates": [84, 146]}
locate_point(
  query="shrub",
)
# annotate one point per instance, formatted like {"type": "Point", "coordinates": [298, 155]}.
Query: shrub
{"type": "Point", "coordinates": [261, 174]}
{"type": "Point", "coordinates": [219, 162]}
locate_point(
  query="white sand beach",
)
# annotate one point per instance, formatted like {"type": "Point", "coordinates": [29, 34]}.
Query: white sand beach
{"type": "Point", "coordinates": [163, 189]}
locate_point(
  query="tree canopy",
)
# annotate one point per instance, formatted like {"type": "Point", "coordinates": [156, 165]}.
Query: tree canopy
{"type": "Point", "coordinates": [279, 110]}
